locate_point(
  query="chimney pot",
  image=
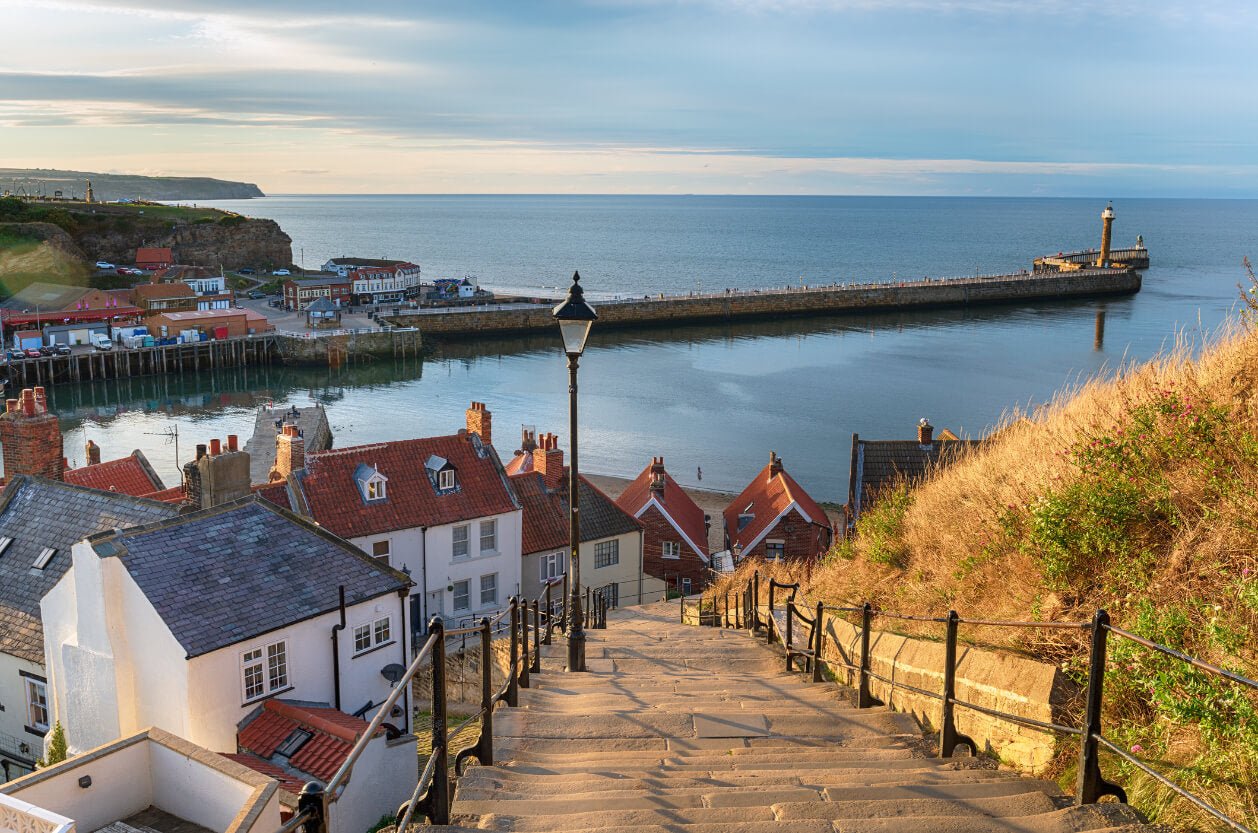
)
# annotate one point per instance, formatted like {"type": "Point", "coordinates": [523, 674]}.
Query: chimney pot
{"type": "Point", "coordinates": [92, 452]}
{"type": "Point", "coordinates": [775, 464]}
{"type": "Point", "coordinates": [216, 447]}
{"type": "Point", "coordinates": [925, 432]}
{"type": "Point", "coordinates": [10, 406]}
{"type": "Point", "coordinates": [232, 441]}
{"type": "Point", "coordinates": [200, 450]}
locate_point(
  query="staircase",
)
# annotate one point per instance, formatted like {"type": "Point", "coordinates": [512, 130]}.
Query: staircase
{"type": "Point", "coordinates": [699, 730]}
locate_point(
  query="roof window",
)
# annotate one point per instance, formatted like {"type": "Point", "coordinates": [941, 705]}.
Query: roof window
{"type": "Point", "coordinates": [293, 743]}
{"type": "Point", "coordinates": [371, 483]}
{"type": "Point", "coordinates": [4, 544]}
{"type": "Point", "coordinates": [45, 556]}
{"type": "Point", "coordinates": [442, 473]}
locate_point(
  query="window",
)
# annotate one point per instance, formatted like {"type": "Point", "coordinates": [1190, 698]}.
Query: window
{"type": "Point", "coordinates": [295, 741]}
{"type": "Point", "coordinates": [489, 590]}
{"type": "Point", "coordinates": [460, 541]}
{"type": "Point", "coordinates": [550, 566]}
{"type": "Point", "coordinates": [686, 586]}
{"type": "Point", "coordinates": [672, 549]}
{"type": "Point", "coordinates": [37, 704]}
{"type": "Point", "coordinates": [45, 556]}
{"type": "Point", "coordinates": [606, 553]}
{"type": "Point", "coordinates": [372, 634]}
{"type": "Point", "coordinates": [375, 490]}
{"type": "Point", "coordinates": [774, 550]}
{"type": "Point", "coordinates": [744, 519]}
{"type": "Point", "coordinates": [4, 544]}
{"type": "Point", "coordinates": [264, 670]}
{"type": "Point", "coordinates": [488, 536]}
{"type": "Point", "coordinates": [461, 593]}
{"type": "Point", "coordinates": [445, 479]}
{"type": "Point", "coordinates": [380, 549]}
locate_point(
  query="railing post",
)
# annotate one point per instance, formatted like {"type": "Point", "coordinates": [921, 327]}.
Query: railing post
{"type": "Point", "coordinates": [790, 632]}
{"type": "Point", "coordinates": [768, 625]}
{"type": "Point", "coordinates": [863, 698]}
{"type": "Point", "coordinates": [537, 636]}
{"type": "Point", "coordinates": [586, 613]}
{"type": "Point", "coordinates": [436, 803]}
{"type": "Point", "coordinates": [682, 608]}
{"type": "Point", "coordinates": [312, 799]}
{"type": "Point", "coordinates": [523, 678]}
{"type": "Point", "coordinates": [1091, 785]}
{"type": "Point", "coordinates": [755, 602]}
{"type": "Point", "coordinates": [485, 744]}
{"type": "Point", "coordinates": [513, 690]}
{"type": "Point", "coordinates": [550, 615]}
{"type": "Point", "coordinates": [818, 636]}
{"type": "Point", "coordinates": [949, 737]}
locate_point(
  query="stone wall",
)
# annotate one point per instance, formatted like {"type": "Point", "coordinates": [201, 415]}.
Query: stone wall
{"type": "Point", "coordinates": [347, 348]}
{"type": "Point", "coordinates": [673, 310]}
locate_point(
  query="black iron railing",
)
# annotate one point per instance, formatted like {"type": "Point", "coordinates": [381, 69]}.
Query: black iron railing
{"type": "Point", "coordinates": [1090, 785]}
{"type": "Point", "coordinates": [433, 792]}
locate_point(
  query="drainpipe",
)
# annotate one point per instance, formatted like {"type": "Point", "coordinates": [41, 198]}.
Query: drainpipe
{"type": "Point", "coordinates": [423, 576]}
{"type": "Point", "coordinates": [336, 653]}
{"type": "Point", "coordinates": [403, 599]}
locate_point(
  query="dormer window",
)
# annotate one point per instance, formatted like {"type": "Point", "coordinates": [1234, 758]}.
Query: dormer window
{"type": "Point", "coordinates": [371, 483]}
{"type": "Point", "coordinates": [442, 474]}
{"type": "Point", "coordinates": [445, 479]}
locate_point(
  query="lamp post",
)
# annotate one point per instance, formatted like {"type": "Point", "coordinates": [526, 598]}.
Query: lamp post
{"type": "Point", "coordinates": [575, 318]}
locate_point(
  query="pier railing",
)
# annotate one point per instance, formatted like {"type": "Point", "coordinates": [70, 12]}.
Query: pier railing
{"type": "Point", "coordinates": [743, 609]}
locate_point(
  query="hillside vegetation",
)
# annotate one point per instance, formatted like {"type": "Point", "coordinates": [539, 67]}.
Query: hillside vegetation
{"type": "Point", "coordinates": [1136, 494]}
{"type": "Point", "coordinates": [38, 252]}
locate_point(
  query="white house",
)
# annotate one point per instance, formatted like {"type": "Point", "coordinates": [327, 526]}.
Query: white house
{"type": "Point", "coordinates": [151, 780]}
{"type": "Point", "coordinates": [440, 509]}
{"type": "Point", "coordinates": [40, 520]}
{"type": "Point", "coordinates": [377, 281]}
{"type": "Point", "coordinates": [207, 284]}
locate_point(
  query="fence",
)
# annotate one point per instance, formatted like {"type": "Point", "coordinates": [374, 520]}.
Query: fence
{"type": "Point", "coordinates": [1090, 786]}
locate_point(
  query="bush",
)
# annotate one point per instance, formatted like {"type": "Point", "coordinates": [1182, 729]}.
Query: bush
{"type": "Point", "coordinates": [56, 750]}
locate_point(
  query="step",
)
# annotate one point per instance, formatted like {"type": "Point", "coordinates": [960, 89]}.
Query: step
{"type": "Point", "coordinates": [575, 782]}
{"type": "Point", "coordinates": [584, 822]}
{"type": "Point", "coordinates": [1018, 804]}
{"type": "Point", "coordinates": [770, 753]}
{"type": "Point", "coordinates": [743, 797]}
{"type": "Point", "coordinates": [1068, 820]}
{"type": "Point", "coordinates": [494, 788]}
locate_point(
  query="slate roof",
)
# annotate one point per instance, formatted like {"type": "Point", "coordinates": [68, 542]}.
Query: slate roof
{"type": "Point", "coordinates": [236, 571]}
{"type": "Point", "coordinates": [130, 475]}
{"type": "Point", "coordinates": [675, 504]}
{"type": "Point", "coordinates": [321, 305]}
{"type": "Point", "coordinates": [768, 496]}
{"type": "Point", "coordinates": [332, 497]}
{"type": "Point", "coordinates": [877, 464]}
{"type": "Point", "coordinates": [544, 525]}
{"type": "Point", "coordinates": [38, 513]}
{"type": "Point", "coordinates": [46, 296]}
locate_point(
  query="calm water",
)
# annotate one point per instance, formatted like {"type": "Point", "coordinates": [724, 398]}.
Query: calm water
{"type": "Point", "coordinates": [715, 397]}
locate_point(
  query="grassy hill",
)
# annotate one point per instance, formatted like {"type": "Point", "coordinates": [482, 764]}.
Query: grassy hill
{"type": "Point", "coordinates": [72, 184]}
{"type": "Point", "coordinates": [1137, 494]}
{"type": "Point", "coordinates": [32, 252]}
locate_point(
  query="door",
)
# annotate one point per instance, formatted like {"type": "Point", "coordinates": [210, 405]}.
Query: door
{"type": "Point", "coordinates": [436, 607]}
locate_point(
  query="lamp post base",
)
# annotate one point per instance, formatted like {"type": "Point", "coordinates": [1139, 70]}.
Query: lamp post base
{"type": "Point", "coordinates": [576, 650]}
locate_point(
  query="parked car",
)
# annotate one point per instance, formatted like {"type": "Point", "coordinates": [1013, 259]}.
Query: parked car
{"type": "Point", "coordinates": [246, 271]}
{"type": "Point", "coordinates": [276, 302]}
{"type": "Point", "coordinates": [256, 294]}
{"type": "Point", "coordinates": [62, 350]}
{"type": "Point", "coordinates": [31, 353]}
{"type": "Point", "coordinates": [105, 264]}
{"type": "Point", "coordinates": [14, 355]}
{"type": "Point", "coordinates": [282, 272]}
{"type": "Point", "coordinates": [46, 350]}
{"type": "Point", "coordinates": [100, 342]}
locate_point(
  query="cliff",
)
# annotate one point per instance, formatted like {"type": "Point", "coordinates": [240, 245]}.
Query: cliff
{"type": "Point", "coordinates": [72, 184]}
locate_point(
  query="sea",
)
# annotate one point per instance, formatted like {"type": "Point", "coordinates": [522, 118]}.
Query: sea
{"type": "Point", "coordinates": [713, 400]}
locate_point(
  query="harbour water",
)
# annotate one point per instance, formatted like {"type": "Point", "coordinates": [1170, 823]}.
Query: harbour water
{"type": "Point", "coordinates": [716, 397]}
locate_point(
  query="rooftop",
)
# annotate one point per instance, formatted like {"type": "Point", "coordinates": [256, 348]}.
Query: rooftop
{"type": "Point", "coordinates": [772, 493]}
{"type": "Point", "coordinates": [36, 515]}
{"type": "Point", "coordinates": [130, 475]}
{"type": "Point", "coordinates": [50, 296]}
{"type": "Point", "coordinates": [877, 464]}
{"type": "Point", "coordinates": [164, 291]}
{"type": "Point", "coordinates": [226, 574]}
{"type": "Point", "coordinates": [545, 518]}
{"type": "Point", "coordinates": [686, 515]}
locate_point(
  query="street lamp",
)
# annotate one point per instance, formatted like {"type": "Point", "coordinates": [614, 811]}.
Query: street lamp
{"type": "Point", "coordinates": [575, 318]}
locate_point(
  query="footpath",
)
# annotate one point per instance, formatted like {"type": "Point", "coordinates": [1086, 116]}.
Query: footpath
{"type": "Point", "coordinates": [681, 729]}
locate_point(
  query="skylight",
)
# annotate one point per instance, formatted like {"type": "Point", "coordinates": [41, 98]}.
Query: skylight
{"type": "Point", "coordinates": [295, 741]}
{"type": "Point", "coordinates": [45, 556]}
{"type": "Point", "coordinates": [4, 544]}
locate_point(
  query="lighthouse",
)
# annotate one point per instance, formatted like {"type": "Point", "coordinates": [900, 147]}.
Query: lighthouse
{"type": "Point", "coordinates": [89, 197]}
{"type": "Point", "coordinates": [1107, 226]}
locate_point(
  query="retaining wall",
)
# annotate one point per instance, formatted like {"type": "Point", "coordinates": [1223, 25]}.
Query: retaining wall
{"type": "Point", "coordinates": [663, 311]}
{"type": "Point", "coordinates": [347, 347]}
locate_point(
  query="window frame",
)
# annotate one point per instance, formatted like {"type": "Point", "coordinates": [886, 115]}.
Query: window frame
{"type": "Point", "coordinates": [674, 546]}
{"type": "Point", "coordinates": [493, 602]}
{"type": "Point", "coordinates": [466, 529]}
{"type": "Point", "coordinates": [556, 560]}
{"type": "Point", "coordinates": [775, 549]}
{"type": "Point", "coordinates": [372, 634]}
{"type": "Point", "coordinates": [382, 556]}
{"type": "Point", "coordinates": [33, 688]}
{"type": "Point", "coordinates": [467, 595]}
{"type": "Point", "coordinates": [446, 480]}
{"type": "Point", "coordinates": [606, 553]}
{"type": "Point", "coordinates": [272, 666]}
{"type": "Point", "coordinates": [492, 523]}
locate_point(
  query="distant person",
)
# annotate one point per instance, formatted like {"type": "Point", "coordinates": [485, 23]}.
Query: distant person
{"type": "Point", "coordinates": [701, 473]}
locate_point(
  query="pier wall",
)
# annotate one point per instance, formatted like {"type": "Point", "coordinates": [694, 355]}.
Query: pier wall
{"type": "Point", "coordinates": [950, 292]}
{"type": "Point", "coordinates": [348, 347]}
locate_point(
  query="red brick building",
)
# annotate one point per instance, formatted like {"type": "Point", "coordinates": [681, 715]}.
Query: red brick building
{"type": "Point", "coordinates": [675, 541]}
{"type": "Point", "coordinates": [153, 258]}
{"type": "Point", "coordinates": [775, 518]}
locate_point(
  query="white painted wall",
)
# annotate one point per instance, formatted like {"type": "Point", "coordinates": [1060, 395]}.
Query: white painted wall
{"type": "Point", "coordinates": [13, 698]}
{"type": "Point", "coordinates": [122, 785]}
{"type": "Point", "coordinates": [201, 794]}
{"type": "Point", "coordinates": [384, 778]}
{"type": "Point", "coordinates": [627, 573]}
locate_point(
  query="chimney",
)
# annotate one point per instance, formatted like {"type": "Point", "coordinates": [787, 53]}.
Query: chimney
{"type": "Point", "coordinates": [657, 474]}
{"type": "Point", "coordinates": [480, 421]}
{"type": "Point", "coordinates": [548, 461]}
{"type": "Point", "coordinates": [775, 464]}
{"type": "Point", "coordinates": [290, 452]}
{"type": "Point", "coordinates": [925, 432]}
{"type": "Point", "coordinates": [528, 438]}
{"type": "Point", "coordinates": [92, 451]}
{"type": "Point", "coordinates": [31, 436]}
{"type": "Point", "coordinates": [217, 477]}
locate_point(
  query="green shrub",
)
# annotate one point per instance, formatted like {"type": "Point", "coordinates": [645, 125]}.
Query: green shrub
{"type": "Point", "coordinates": [880, 527]}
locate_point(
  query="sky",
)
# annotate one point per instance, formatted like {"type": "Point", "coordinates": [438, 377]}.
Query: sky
{"type": "Point", "coordinates": [967, 97]}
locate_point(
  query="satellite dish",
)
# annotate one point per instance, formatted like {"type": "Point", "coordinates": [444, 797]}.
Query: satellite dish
{"type": "Point", "coordinates": [393, 672]}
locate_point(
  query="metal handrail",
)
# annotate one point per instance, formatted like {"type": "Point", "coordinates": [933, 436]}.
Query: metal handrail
{"type": "Point", "coordinates": [1091, 785]}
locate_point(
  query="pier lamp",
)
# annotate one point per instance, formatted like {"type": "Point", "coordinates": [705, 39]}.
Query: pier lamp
{"type": "Point", "coordinates": [575, 318]}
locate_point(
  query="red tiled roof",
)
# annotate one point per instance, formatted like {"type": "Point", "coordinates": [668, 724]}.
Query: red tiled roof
{"type": "Point", "coordinates": [769, 496]}
{"type": "Point", "coordinates": [175, 494]}
{"type": "Point", "coordinates": [130, 475]}
{"type": "Point", "coordinates": [335, 501]}
{"type": "Point", "coordinates": [276, 493]}
{"type": "Point", "coordinates": [289, 782]}
{"type": "Point", "coordinates": [333, 734]}
{"type": "Point", "coordinates": [521, 463]}
{"type": "Point", "coordinates": [678, 506]}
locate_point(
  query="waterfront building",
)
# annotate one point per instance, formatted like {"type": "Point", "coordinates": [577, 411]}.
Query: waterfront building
{"type": "Point", "coordinates": [40, 521]}
{"type": "Point", "coordinates": [440, 509]}
{"type": "Point", "coordinates": [610, 538]}
{"type": "Point", "coordinates": [878, 465]}
{"type": "Point", "coordinates": [172, 296]}
{"type": "Point", "coordinates": [775, 519]}
{"type": "Point", "coordinates": [300, 293]}
{"type": "Point", "coordinates": [148, 781]}
{"type": "Point", "coordinates": [386, 284]}
{"type": "Point", "coordinates": [675, 529]}
{"type": "Point", "coordinates": [130, 475]}
{"type": "Point", "coordinates": [193, 622]}
{"type": "Point", "coordinates": [212, 323]}
{"type": "Point", "coordinates": [46, 303]}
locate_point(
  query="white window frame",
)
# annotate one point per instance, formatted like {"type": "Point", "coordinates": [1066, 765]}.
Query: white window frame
{"type": "Point", "coordinates": [466, 529]}
{"type": "Point", "coordinates": [445, 479]}
{"type": "Point", "coordinates": [493, 580]}
{"type": "Point", "coordinates": [270, 682]}
{"type": "Point", "coordinates": [671, 550]}
{"type": "Point", "coordinates": [377, 488]}
{"type": "Point", "coordinates": [687, 586]}
{"type": "Point", "coordinates": [606, 553]}
{"type": "Point", "coordinates": [388, 550]}
{"type": "Point", "coordinates": [491, 536]}
{"type": "Point", "coordinates": [467, 596]}
{"type": "Point", "coordinates": [36, 699]}
{"type": "Point", "coordinates": [550, 566]}
{"type": "Point", "coordinates": [362, 638]}
{"type": "Point", "coordinates": [771, 543]}
{"type": "Point", "coordinates": [373, 634]}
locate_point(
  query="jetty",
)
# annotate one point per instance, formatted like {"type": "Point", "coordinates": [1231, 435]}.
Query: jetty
{"type": "Point", "coordinates": [734, 304]}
